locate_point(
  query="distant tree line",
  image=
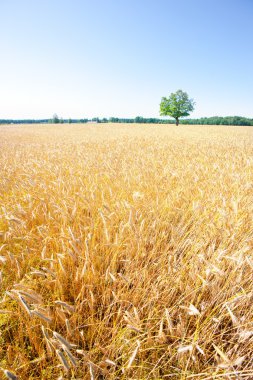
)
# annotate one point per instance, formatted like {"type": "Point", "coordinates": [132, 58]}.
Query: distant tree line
{"type": "Point", "coordinates": [42, 121]}
{"type": "Point", "coordinates": [218, 120]}
{"type": "Point", "coordinates": [215, 120]}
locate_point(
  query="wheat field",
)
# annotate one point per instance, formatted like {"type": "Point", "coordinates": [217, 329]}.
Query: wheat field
{"type": "Point", "coordinates": [126, 252]}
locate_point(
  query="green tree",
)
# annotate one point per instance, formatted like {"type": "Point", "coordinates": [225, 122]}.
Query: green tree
{"type": "Point", "coordinates": [55, 119]}
{"type": "Point", "coordinates": [176, 105]}
{"type": "Point", "coordinates": [139, 119]}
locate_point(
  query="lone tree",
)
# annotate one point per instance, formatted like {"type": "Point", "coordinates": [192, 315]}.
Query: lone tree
{"type": "Point", "coordinates": [177, 105]}
{"type": "Point", "coordinates": [55, 119]}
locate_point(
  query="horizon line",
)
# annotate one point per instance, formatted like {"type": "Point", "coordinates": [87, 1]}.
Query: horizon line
{"type": "Point", "coordinates": [119, 117]}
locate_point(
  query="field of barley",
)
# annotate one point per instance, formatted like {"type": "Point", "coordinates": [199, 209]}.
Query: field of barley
{"type": "Point", "coordinates": [126, 252]}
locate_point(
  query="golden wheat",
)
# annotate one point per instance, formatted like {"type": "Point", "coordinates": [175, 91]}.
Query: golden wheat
{"type": "Point", "coordinates": [126, 252]}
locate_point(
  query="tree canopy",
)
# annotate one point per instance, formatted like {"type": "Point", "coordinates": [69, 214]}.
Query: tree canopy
{"type": "Point", "coordinates": [177, 105]}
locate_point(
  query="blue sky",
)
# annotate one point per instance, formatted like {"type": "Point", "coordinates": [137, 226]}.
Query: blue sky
{"type": "Point", "coordinates": [88, 58]}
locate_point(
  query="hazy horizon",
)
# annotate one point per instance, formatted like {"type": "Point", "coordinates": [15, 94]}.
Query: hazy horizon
{"type": "Point", "coordinates": [122, 117]}
{"type": "Point", "coordinates": [85, 59]}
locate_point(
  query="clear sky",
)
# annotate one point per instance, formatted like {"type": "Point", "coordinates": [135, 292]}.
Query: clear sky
{"type": "Point", "coordinates": [89, 58]}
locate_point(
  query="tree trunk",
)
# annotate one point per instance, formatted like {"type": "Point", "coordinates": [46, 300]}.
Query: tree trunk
{"type": "Point", "coordinates": [177, 121]}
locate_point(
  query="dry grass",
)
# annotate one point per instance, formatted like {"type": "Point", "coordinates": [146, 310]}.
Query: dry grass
{"type": "Point", "coordinates": [126, 252]}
